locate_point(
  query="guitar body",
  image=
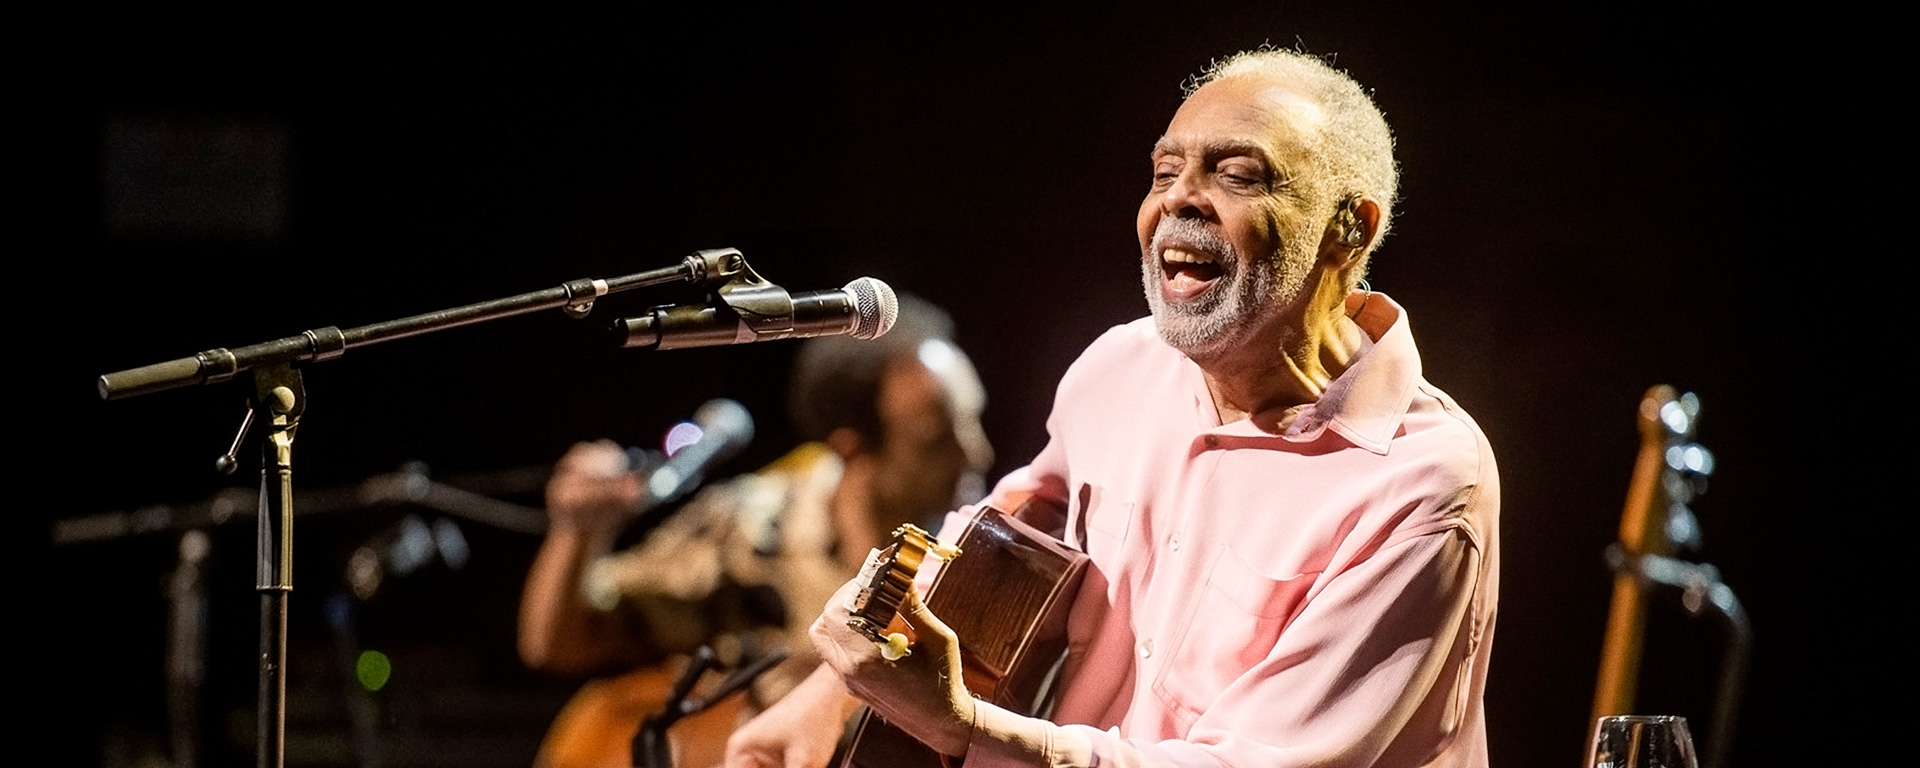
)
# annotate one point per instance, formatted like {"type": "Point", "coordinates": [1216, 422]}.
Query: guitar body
{"type": "Point", "coordinates": [1006, 596]}
{"type": "Point", "coordinates": [597, 727]}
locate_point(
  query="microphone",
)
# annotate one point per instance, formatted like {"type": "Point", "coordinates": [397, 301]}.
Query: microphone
{"type": "Point", "coordinates": [724, 429]}
{"type": "Point", "coordinates": [863, 309]}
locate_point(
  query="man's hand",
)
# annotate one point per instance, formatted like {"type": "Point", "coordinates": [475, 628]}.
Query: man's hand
{"type": "Point", "coordinates": [798, 731]}
{"type": "Point", "coordinates": [592, 488]}
{"type": "Point", "coordinates": [922, 694]}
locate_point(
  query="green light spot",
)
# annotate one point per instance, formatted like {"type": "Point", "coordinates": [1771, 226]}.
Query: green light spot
{"type": "Point", "coordinates": [374, 668]}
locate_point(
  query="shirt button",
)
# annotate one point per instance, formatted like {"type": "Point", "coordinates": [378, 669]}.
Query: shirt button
{"type": "Point", "coordinates": [1173, 542]}
{"type": "Point", "coordinates": [1146, 649]}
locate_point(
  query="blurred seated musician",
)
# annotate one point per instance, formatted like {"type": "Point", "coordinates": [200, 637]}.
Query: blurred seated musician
{"type": "Point", "coordinates": [893, 436]}
{"type": "Point", "coordinates": [1292, 535]}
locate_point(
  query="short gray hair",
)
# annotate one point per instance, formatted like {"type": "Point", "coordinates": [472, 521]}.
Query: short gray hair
{"type": "Point", "coordinates": [1354, 147]}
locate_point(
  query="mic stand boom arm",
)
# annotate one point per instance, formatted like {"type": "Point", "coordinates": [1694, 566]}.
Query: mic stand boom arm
{"type": "Point", "coordinates": [711, 267]}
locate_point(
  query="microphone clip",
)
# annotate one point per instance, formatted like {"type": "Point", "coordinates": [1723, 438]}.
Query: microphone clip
{"type": "Point", "coordinates": [740, 307]}
{"type": "Point", "coordinates": [765, 308]}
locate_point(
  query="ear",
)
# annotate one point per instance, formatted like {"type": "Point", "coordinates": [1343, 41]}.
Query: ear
{"type": "Point", "coordinates": [846, 442]}
{"type": "Point", "coordinates": [1352, 230]}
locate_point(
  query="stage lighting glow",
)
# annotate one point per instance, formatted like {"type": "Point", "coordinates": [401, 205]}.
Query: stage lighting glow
{"type": "Point", "coordinates": [374, 669]}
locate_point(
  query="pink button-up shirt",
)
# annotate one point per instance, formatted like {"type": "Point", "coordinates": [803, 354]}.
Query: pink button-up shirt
{"type": "Point", "coordinates": [1313, 586]}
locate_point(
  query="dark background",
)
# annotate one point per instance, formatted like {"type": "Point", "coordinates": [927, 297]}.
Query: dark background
{"type": "Point", "coordinates": [1594, 202]}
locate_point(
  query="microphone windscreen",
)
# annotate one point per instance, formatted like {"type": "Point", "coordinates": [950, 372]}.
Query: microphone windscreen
{"type": "Point", "coordinates": [876, 306]}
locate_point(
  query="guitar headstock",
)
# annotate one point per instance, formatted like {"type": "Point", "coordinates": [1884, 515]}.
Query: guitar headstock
{"type": "Point", "coordinates": [1672, 471]}
{"type": "Point", "coordinates": [888, 576]}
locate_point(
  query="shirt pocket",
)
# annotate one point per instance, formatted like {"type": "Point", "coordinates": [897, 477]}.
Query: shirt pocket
{"type": "Point", "coordinates": [1233, 626]}
{"type": "Point", "coordinates": [1097, 524]}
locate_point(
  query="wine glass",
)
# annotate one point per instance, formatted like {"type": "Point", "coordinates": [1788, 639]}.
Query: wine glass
{"type": "Point", "coordinates": [1641, 741]}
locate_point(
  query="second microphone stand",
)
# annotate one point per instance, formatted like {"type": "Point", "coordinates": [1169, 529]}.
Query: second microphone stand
{"type": "Point", "coordinates": [651, 749]}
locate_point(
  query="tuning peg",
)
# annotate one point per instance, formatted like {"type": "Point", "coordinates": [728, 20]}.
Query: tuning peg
{"type": "Point", "coordinates": [1683, 528]}
{"type": "Point", "coordinates": [1690, 458]}
{"type": "Point", "coordinates": [1681, 414]}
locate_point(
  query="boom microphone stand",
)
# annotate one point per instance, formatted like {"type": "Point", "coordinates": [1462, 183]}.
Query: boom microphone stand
{"type": "Point", "coordinates": [279, 399]}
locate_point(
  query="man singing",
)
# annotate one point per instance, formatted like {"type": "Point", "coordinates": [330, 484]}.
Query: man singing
{"type": "Point", "coordinates": [1293, 536]}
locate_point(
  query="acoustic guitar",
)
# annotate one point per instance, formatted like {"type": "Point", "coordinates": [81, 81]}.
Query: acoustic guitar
{"type": "Point", "coordinates": [1005, 593]}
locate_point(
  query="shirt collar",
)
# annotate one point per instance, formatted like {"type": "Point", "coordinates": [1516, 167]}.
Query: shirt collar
{"type": "Point", "coordinates": [1364, 405]}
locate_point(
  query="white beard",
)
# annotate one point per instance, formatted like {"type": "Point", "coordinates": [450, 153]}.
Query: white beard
{"type": "Point", "coordinates": [1215, 321]}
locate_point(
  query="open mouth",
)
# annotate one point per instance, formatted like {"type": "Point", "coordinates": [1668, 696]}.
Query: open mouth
{"type": "Point", "coordinates": [1187, 273]}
